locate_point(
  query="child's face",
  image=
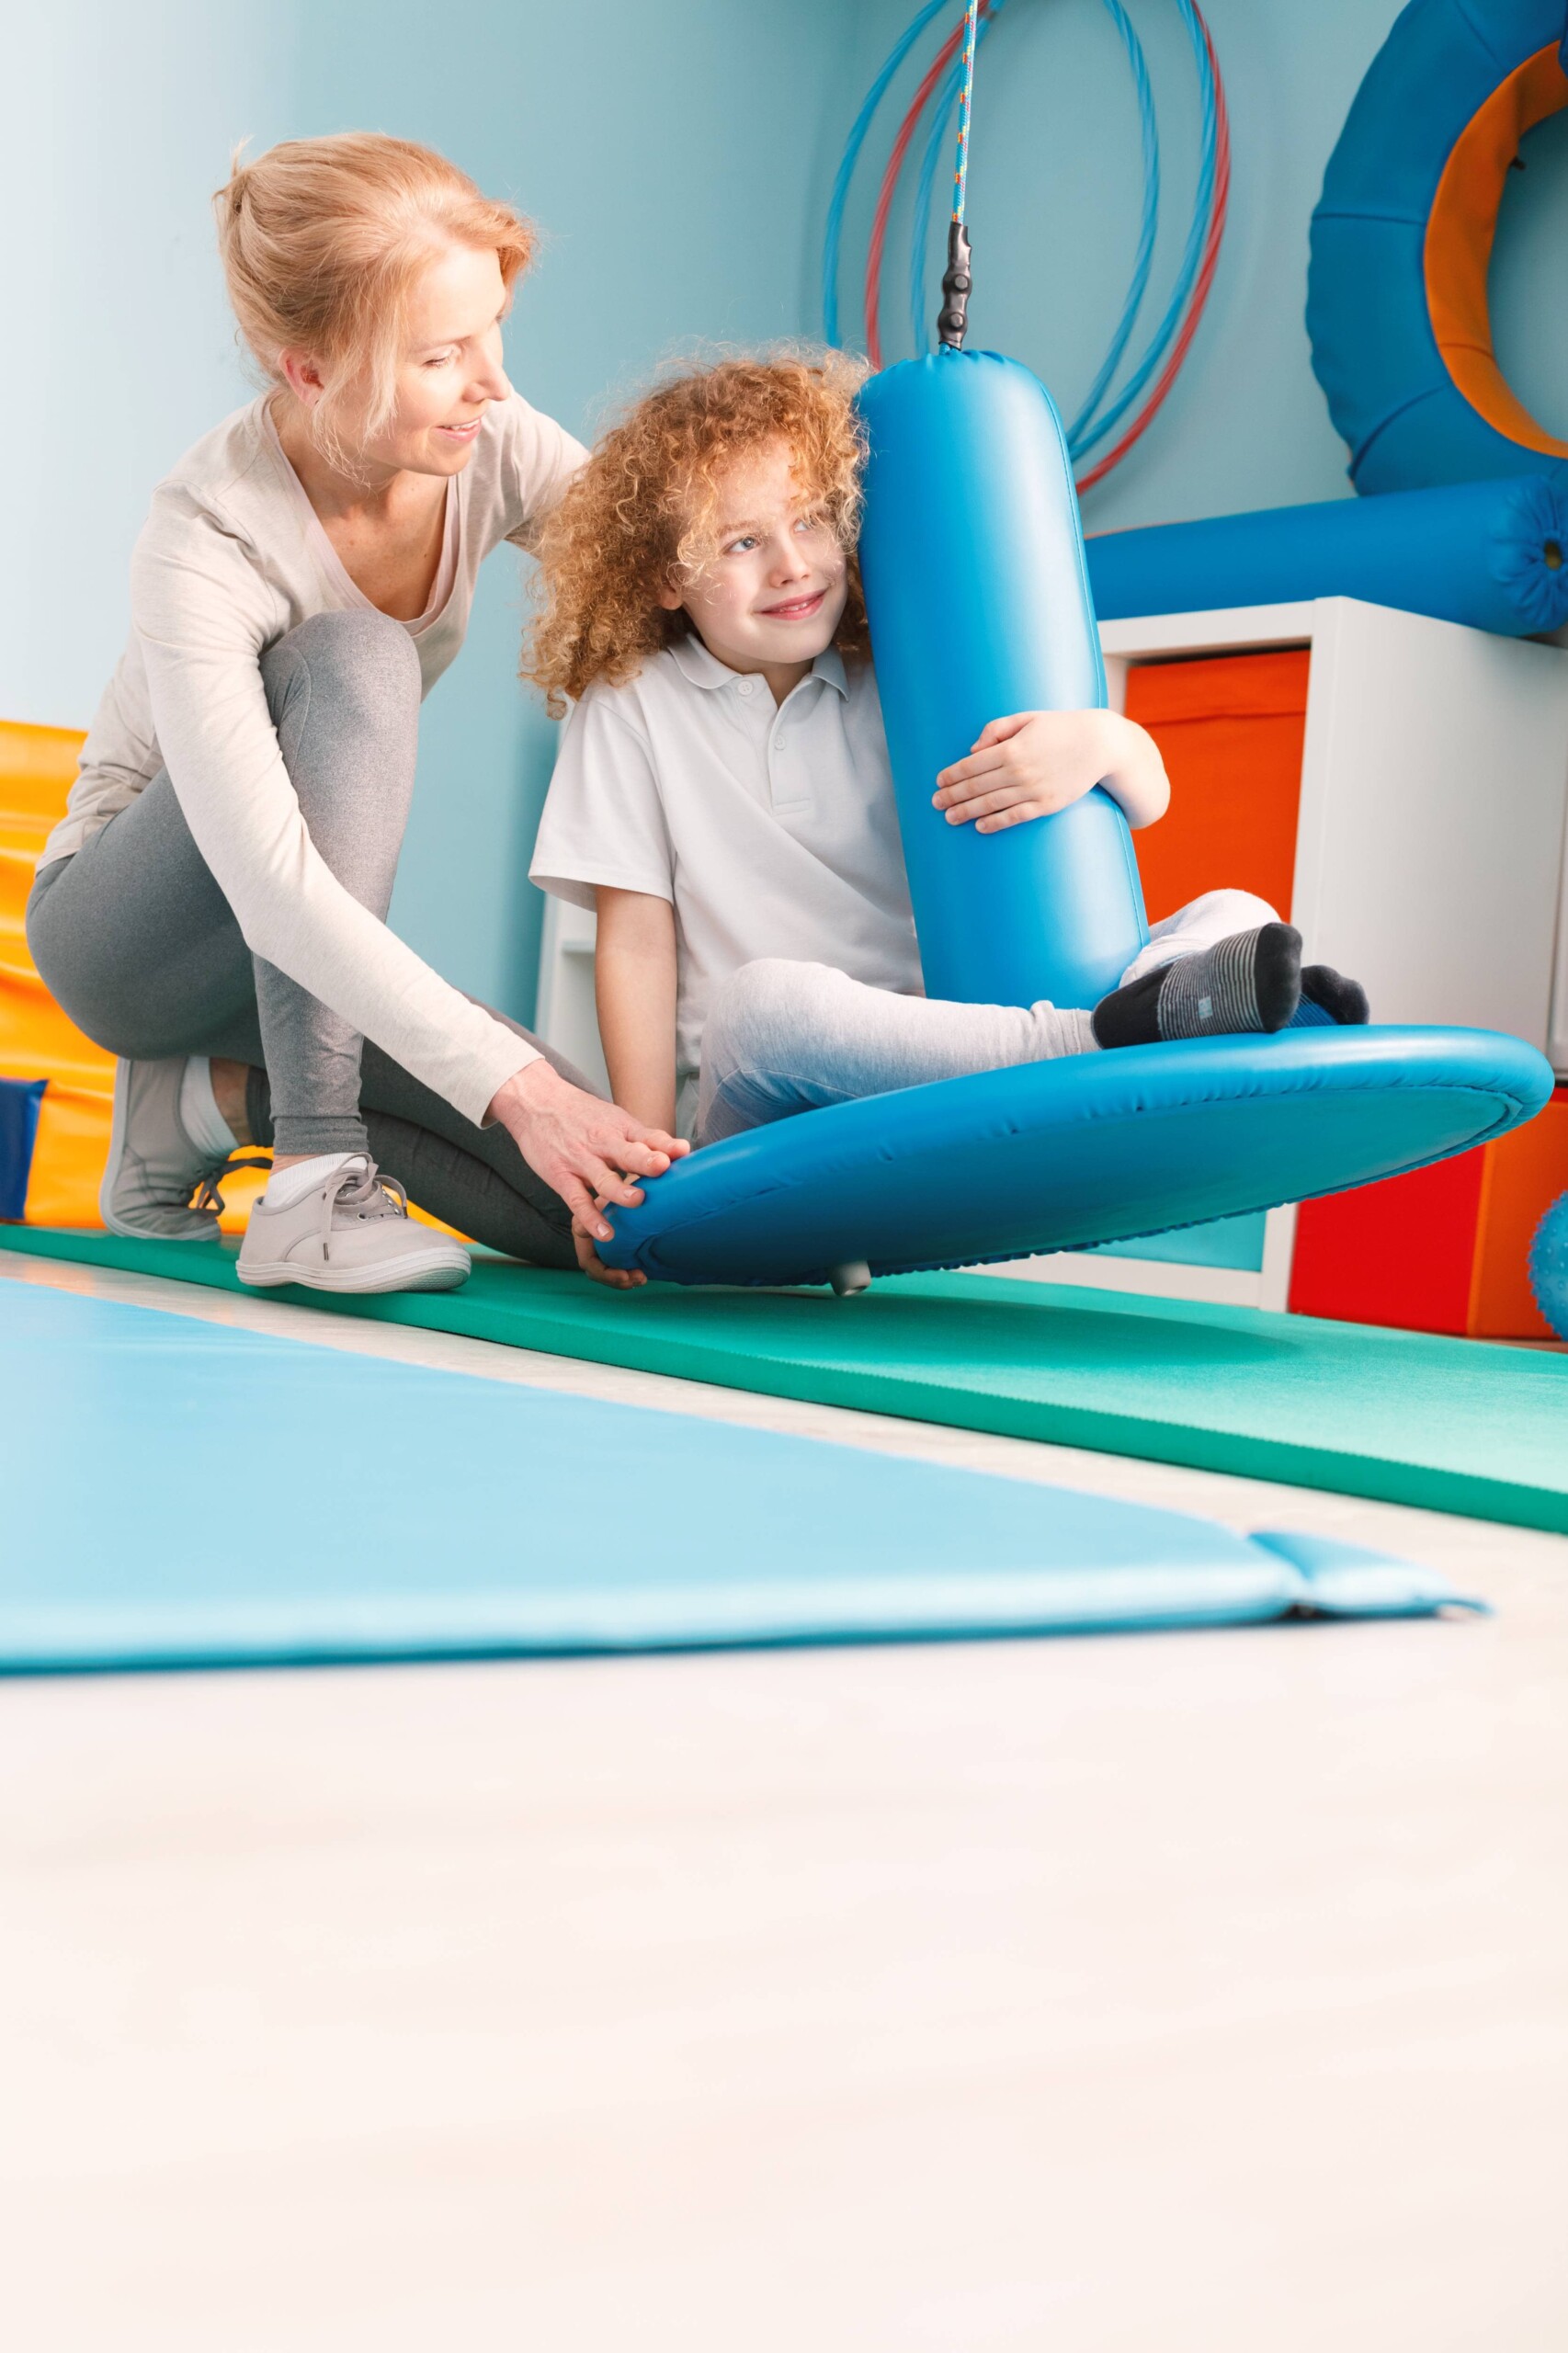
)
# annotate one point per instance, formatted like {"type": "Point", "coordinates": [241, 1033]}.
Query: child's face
{"type": "Point", "coordinates": [773, 593]}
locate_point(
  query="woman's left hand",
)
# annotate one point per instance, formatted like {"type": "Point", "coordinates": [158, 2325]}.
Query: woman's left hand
{"type": "Point", "coordinates": [1037, 762]}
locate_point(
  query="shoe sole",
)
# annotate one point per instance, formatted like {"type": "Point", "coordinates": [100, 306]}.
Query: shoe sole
{"type": "Point", "coordinates": [120, 1225]}
{"type": "Point", "coordinates": [407, 1275]}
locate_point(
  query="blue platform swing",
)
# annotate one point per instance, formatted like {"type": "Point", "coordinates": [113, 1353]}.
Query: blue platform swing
{"type": "Point", "coordinates": [979, 601]}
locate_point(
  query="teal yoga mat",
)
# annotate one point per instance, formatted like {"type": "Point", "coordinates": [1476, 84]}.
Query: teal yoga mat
{"type": "Point", "coordinates": [393, 1513]}
{"type": "Point", "coordinates": [1459, 1426]}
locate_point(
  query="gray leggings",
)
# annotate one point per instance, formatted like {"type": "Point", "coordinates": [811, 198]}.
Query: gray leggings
{"type": "Point", "coordinates": [135, 939]}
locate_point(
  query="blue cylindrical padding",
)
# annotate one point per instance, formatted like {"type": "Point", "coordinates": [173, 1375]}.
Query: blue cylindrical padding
{"type": "Point", "coordinates": [979, 601]}
{"type": "Point", "coordinates": [1492, 554]}
{"type": "Point", "coordinates": [1374, 352]}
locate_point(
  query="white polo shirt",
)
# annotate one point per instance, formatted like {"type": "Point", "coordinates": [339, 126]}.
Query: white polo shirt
{"type": "Point", "coordinates": [772, 831]}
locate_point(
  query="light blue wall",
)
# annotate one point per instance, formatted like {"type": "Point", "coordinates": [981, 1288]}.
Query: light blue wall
{"type": "Point", "coordinates": [120, 349]}
{"type": "Point", "coordinates": [677, 158]}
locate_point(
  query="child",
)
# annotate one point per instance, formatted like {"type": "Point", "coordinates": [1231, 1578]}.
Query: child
{"type": "Point", "coordinates": [723, 793]}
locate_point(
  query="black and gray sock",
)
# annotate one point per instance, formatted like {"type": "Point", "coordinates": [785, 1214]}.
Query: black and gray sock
{"type": "Point", "coordinates": [1344, 1001]}
{"type": "Point", "coordinates": [1249, 982]}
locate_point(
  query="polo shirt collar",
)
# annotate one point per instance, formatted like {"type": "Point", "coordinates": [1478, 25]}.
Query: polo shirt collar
{"type": "Point", "coordinates": [694, 661]}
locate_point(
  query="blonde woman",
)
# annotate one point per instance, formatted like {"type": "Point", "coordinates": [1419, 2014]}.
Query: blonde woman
{"type": "Point", "coordinates": [212, 909]}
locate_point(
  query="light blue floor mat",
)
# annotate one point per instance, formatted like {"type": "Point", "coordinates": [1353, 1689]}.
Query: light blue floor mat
{"type": "Point", "coordinates": [176, 1494]}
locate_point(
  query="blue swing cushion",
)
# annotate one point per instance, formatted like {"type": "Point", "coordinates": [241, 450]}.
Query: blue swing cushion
{"type": "Point", "coordinates": [1055, 1155]}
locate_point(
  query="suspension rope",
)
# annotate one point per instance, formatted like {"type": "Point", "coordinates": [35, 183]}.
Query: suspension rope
{"type": "Point", "coordinates": [966, 99]}
{"type": "Point", "coordinates": [919, 239]}
{"type": "Point", "coordinates": [988, 8]}
{"type": "Point", "coordinates": [952, 319]}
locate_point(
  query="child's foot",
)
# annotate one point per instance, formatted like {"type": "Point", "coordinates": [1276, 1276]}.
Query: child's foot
{"type": "Point", "coordinates": [1328, 995]}
{"type": "Point", "coordinates": [1251, 982]}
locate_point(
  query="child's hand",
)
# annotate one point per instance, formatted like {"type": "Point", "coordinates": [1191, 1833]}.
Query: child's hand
{"type": "Point", "coordinates": [1040, 761]}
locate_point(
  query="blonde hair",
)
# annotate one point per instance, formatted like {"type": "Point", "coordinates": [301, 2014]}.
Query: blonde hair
{"type": "Point", "coordinates": [323, 241]}
{"type": "Point", "coordinates": [640, 517]}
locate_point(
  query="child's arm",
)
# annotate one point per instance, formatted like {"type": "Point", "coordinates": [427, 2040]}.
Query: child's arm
{"type": "Point", "coordinates": [634, 989]}
{"type": "Point", "coordinates": [1041, 761]}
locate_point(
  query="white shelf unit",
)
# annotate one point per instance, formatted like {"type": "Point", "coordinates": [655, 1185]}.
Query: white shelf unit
{"type": "Point", "coordinates": [1429, 863]}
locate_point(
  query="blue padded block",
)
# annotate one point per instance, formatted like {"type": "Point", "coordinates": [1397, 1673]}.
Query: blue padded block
{"type": "Point", "coordinates": [1094, 1148]}
{"type": "Point", "coordinates": [20, 1101]}
{"type": "Point", "coordinates": [176, 1494]}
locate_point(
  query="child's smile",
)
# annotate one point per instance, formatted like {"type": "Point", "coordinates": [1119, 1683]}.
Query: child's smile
{"type": "Point", "coordinates": [799, 608]}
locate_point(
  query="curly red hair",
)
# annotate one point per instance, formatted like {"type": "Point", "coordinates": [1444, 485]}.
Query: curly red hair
{"type": "Point", "coordinates": [640, 515]}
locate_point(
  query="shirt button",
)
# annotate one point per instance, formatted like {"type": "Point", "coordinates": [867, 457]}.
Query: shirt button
{"type": "Point", "coordinates": [746, 686]}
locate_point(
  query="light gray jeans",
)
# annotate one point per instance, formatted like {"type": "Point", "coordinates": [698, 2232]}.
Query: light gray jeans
{"type": "Point", "coordinates": [785, 1037]}
{"type": "Point", "coordinates": [135, 939]}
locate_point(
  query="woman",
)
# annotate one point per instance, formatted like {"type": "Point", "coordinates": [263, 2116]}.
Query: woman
{"type": "Point", "coordinates": [212, 908]}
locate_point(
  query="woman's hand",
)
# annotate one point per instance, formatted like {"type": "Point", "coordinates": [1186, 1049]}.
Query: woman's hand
{"type": "Point", "coordinates": [1039, 762]}
{"type": "Point", "coordinates": [586, 1150]}
{"type": "Point", "coordinates": [593, 1266]}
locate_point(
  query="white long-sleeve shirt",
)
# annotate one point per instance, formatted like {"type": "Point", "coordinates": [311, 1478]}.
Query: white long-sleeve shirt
{"type": "Point", "coordinates": [231, 558]}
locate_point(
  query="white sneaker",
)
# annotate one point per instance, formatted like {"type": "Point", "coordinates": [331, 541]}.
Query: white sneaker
{"type": "Point", "coordinates": [351, 1232]}
{"type": "Point", "coordinates": [153, 1168]}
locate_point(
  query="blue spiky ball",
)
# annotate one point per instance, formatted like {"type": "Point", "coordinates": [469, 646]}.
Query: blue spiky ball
{"type": "Point", "coordinates": [1549, 1266]}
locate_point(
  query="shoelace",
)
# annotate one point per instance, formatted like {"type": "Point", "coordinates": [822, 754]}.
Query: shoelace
{"type": "Point", "coordinates": [360, 1185]}
{"type": "Point", "coordinates": [208, 1196]}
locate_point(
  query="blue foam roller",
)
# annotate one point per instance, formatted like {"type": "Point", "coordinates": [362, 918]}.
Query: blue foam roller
{"type": "Point", "coordinates": [1491, 554]}
{"type": "Point", "coordinates": [980, 607]}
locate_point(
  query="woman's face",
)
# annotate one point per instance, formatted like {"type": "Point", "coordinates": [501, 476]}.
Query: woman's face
{"type": "Point", "coordinates": [449, 368]}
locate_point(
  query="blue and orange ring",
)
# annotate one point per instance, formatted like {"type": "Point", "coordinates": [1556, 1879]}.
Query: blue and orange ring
{"type": "Point", "coordinates": [1402, 237]}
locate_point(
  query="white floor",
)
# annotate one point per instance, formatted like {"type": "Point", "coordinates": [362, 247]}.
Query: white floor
{"type": "Point", "coordinates": [1199, 1992]}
